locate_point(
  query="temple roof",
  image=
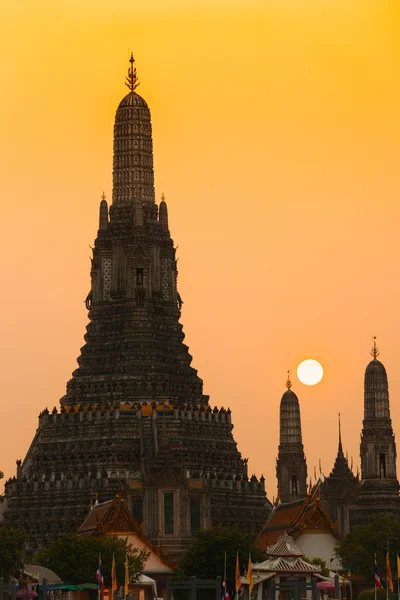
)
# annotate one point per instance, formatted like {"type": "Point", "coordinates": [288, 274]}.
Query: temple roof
{"type": "Point", "coordinates": [107, 517]}
{"type": "Point", "coordinates": [341, 470]}
{"type": "Point", "coordinates": [286, 556]}
{"type": "Point", "coordinates": [295, 518]}
{"type": "Point", "coordinates": [284, 546]}
{"type": "Point", "coordinates": [113, 517]}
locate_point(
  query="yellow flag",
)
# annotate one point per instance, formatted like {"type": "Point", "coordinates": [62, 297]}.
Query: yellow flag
{"type": "Point", "coordinates": [238, 583]}
{"type": "Point", "coordinates": [398, 567]}
{"type": "Point", "coordinates": [113, 576]}
{"type": "Point", "coordinates": [126, 587]}
{"type": "Point", "coordinates": [388, 574]}
{"type": "Point", "coordinates": [249, 576]}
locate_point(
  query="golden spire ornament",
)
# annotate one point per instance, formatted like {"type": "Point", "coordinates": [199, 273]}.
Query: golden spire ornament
{"type": "Point", "coordinates": [132, 80]}
{"type": "Point", "coordinates": [288, 382]}
{"type": "Point", "coordinates": [375, 352]}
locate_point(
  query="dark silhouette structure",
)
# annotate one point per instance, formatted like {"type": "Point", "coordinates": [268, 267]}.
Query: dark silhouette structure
{"type": "Point", "coordinates": [134, 419]}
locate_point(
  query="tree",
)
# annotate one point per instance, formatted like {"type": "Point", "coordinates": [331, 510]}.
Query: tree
{"type": "Point", "coordinates": [380, 595]}
{"type": "Point", "coordinates": [356, 550]}
{"type": "Point", "coordinates": [75, 558]}
{"type": "Point", "coordinates": [205, 557]}
{"type": "Point", "coordinates": [320, 562]}
{"type": "Point", "coordinates": [12, 543]}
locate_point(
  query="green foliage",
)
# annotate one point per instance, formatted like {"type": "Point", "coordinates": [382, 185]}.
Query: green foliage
{"type": "Point", "coordinates": [320, 562]}
{"type": "Point", "coordinates": [12, 542]}
{"type": "Point", "coordinates": [205, 557]}
{"type": "Point", "coordinates": [370, 595]}
{"type": "Point", "coordinates": [75, 559]}
{"type": "Point", "coordinates": [356, 550]}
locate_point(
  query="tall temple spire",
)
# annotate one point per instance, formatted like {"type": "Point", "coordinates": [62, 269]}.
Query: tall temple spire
{"type": "Point", "coordinates": [133, 174]}
{"type": "Point", "coordinates": [340, 447]}
{"type": "Point", "coordinates": [340, 487]}
{"type": "Point", "coordinates": [378, 448]}
{"type": "Point", "coordinates": [291, 468]}
{"type": "Point", "coordinates": [134, 419]}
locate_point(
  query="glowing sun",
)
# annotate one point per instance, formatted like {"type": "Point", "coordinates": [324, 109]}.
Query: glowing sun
{"type": "Point", "coordinates": [310, 372]}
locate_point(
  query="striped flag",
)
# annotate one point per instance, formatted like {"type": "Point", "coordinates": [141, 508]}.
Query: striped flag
{"type": "Point", "coordinates": [100, 577]}
{"type": "Point", "coordinates": [225, 595]}
{"type": "Point", "coordinates": [377, 578]}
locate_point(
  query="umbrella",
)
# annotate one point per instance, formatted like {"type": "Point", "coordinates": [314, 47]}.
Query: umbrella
{"type": "Point", "coordinates": [88, 586]}
{"type": "Point", "coordinates": [325, 585]}
{"type": "Point", "coordinates": [24, 593]}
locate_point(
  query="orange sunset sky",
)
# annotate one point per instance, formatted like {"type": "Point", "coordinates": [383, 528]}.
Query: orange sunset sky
{"type": "Point", "coordinates": [276, 128]}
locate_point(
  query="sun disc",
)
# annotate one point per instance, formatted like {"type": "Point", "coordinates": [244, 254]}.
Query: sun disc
{"type": "Point", "coordinates": [310, 371]}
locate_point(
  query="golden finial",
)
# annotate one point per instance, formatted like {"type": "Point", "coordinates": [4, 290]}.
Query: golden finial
{"type": "Point", "coordinates": [132, 80]}
{"type": "Point", "coordinates": [163, 197]}
{"type": "Point", "coordinates": [288, 382]}
{"type": "Point", "coordinates": [103, 196]}
{"type": "Point", "coordinates": [375, 352]}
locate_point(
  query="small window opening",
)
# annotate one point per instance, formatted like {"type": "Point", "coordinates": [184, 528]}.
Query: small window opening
{"type": "Point", "coordinates": [137, 510]}
{"type": "Point", "coordinates": [139, 277]}
{"type": "Point", "coordinates": [195, 520]}
{"type": "Point", "coordinates": [382, 466]}
{"type": "Point", "coordinates": [294, 485]}
{"type": "Point", "coordinates": [169, 513]}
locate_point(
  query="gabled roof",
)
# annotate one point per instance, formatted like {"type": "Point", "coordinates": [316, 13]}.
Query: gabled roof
{"type": "Point", "coordinates": [284, 546]}
{"type": "Point", "coordinates": [285, 556]}
{"type": "Point", "coordinates": [282, 565]}
{"type": "Point", "coordinates": [295, 518]}
{"type": "Point", "coordinates": [114, 516]}
{"type": "Point", "coordinates": [104, 517]}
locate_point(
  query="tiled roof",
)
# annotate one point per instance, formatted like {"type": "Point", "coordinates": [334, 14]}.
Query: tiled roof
{"type": "Point", "coordinates": [114, 516]}
{"type": "Point", "coordinates": [285, 546]}
{"type": "Point", "coordinates": [285, 556]}
{"type": "Point", "coordinates": [295, 517]}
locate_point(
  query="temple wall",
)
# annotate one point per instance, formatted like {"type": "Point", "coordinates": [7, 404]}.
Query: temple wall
{"type": "Point", "coordinates": [320, 545]}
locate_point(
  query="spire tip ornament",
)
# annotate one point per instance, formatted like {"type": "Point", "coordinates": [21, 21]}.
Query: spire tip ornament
{"type": "Point", "coordinates": [103, 196]}
{"type": "Point", "coordinates": [132, 80]}
{"type": "Point", "coordinates": [288, 382]}
{"type": "Point", "coordinates": [375, 352]}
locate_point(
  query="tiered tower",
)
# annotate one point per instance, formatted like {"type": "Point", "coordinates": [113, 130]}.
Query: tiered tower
{"type": "Point", "coordinates": [134, 419]}
{"type": "Point", "coordinates": [340, 489]}
{"type": "Point", "coordinates": [379, 491]}
{"type": "Point", "coordinates": [291, 467]}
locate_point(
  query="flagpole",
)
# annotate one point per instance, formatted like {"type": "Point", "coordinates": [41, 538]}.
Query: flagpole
{"type": "Point", "coordinates": [398, 574]}
{"type": "Point", "coordinates": [225, 568]}
{"type": "Point", "coordinates": [99, 582]}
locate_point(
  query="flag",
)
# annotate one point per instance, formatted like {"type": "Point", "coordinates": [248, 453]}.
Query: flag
{"type": "Point", "coordinates": [225, 595]}
{"type": "Point", "coordinates": [249, 576]}
{"type": "Point", "coordinates": [238, 583]}
{"type": "Point", "coordinates": [126, 587]}
{"type": "Point", "coordinates": [388, 574]}
{"type": "Point", "coordinates": [377, 578]}
{"type": "Point", "coordinates": [398, 567]}
{"type": "Point", "coordinates": [100, 576]}
{"type": "Point", "coordinates": [114, 585]}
